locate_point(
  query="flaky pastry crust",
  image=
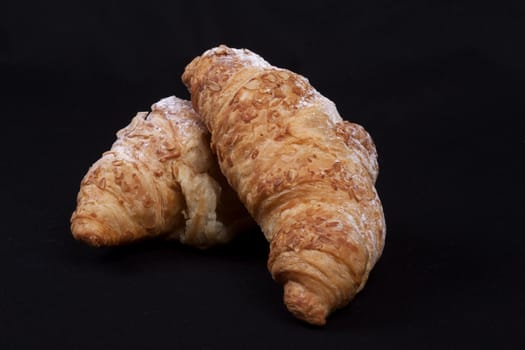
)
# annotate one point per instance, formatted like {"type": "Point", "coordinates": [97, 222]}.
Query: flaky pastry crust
{"type": "Point", "coordinates": [159, 179]}
{"type": "Point", "coordinates": [305, 175]}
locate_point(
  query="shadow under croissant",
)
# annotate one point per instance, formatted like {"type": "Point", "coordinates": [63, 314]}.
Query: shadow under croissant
{"type": "Point", "coordinates": [249, 245]}
{"type": "Point", "coordinates": [239, 265]}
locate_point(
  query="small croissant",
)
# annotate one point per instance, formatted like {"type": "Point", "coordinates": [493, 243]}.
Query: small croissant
{"type": "Point", "coordinates": [304, 174]}
{"type": "Point", "coordinates": [159, 179]}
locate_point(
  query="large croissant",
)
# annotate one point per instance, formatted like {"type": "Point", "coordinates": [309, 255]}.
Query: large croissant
{"type": "Point", "coordinates": [159, 178]}
{"type": "Point", "coordinates": [305, 175]}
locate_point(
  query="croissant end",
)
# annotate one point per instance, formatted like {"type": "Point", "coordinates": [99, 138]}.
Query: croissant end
{"type": "Point", "coordinates": [305, 304]}
{"type": "Point", "coordinates": [91, 232]}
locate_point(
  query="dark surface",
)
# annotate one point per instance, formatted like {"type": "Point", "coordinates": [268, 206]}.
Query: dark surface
{"type": "Point", "coordinates": [438, 84]}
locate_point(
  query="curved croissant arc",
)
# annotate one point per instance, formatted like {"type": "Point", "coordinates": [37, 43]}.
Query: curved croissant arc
{"type": "Point", "coordinates": [159, 178]}
{"type": "Point", "coordinates": [305, 175]}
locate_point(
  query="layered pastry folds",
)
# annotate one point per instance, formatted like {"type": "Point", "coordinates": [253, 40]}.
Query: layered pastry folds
{"type": "Point", "coordinates": [304, 174]}
{"type": "Point", "coordinates": [158, 179]}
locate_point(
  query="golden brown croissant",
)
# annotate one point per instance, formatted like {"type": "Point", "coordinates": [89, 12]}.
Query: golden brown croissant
{"type": "Point", "coordinates": [305, 175]}
{"type": "Point", "coordinates": [159, 178]}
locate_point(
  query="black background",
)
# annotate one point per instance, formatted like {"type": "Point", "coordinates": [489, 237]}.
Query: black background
{"type": "Point", "coordinates": [438, 84]}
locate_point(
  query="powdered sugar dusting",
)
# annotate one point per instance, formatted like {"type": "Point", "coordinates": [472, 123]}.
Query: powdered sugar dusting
{"type": "Point", "coordinates": [315, 98]}
{"type": "Point", "coordinates": [251, 58]}
{"type": "Point", "coordinates": [330, 109]}
{"type": "Point", "coordinates": [245, 55]}
{"type": "Point", "coordinates": [172, 105]}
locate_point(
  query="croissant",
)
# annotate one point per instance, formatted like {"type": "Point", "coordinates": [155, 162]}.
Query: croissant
{"type": "Point", "coordinates": [304, 174]}
{"type": "Point", "coordinates": [159, 178]}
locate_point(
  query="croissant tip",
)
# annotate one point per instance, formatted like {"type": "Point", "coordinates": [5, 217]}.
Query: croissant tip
{"type": "Point", "coordinates": [89, 233]}
{"type": "Point", "coordinates": [92, 240]}
{"type": "Point", "coordinates": [304, 304]}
